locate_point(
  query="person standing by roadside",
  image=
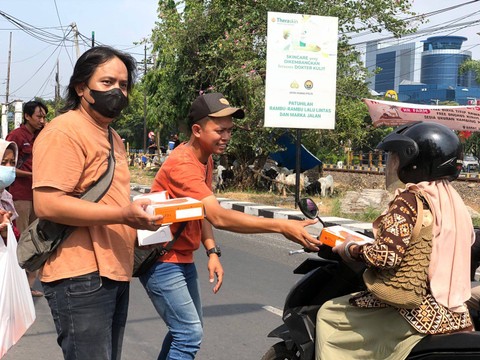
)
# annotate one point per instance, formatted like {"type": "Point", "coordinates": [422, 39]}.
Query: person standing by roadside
{"type": "Point", "coordinates": [86, 281]}
{"type": "Point", "coordinates": [34, 115]}
{"type": "Point", "coordinates": [151, 143]}
{"type": "Point", "coordinates": [8, 156]}
{"type": "Point", "coordinates": [172, 283]}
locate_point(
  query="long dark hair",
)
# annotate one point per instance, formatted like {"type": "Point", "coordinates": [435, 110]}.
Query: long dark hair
{"type": "Point", "coordinates": [86, 66]}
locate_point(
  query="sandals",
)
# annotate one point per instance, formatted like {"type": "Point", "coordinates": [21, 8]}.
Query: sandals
{"type": "Point", "coordinates": [36, 293]}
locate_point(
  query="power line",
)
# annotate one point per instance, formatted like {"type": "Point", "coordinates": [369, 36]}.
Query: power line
{"type": "Point", "coordinates": [41, 66]}
{"type": "Point", "coordinates": [417, 17]}
{"type": "Point", "coordinates": [63, 31]}
{"type": "Point", "coordinates": [33, 31]}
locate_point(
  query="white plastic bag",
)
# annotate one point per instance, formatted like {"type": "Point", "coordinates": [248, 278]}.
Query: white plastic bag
{"type": "Point", "coordinates": [17, 311]}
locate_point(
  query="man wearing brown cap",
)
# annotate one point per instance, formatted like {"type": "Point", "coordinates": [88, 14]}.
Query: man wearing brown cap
{"type": "Point", "coordinates": [172, 283]}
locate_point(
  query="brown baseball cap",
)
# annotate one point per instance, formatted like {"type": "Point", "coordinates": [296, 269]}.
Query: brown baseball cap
{"type": "Point", "coordinates": [212, 105]}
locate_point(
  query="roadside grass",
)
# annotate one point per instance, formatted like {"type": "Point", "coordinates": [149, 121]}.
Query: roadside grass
{"type": "Point", "coordinates": [369, 215]}
{"type": "Point", "coordinates": [476, 222]}
{"type": "Point", "coordinates": [142, 176]}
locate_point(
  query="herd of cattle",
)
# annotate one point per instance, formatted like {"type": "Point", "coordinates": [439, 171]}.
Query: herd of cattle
{"type": "Point", "coordinates": [279, 179]}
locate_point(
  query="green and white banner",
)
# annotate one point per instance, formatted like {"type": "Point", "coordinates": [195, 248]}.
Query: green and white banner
{"type": "Point", "coordinates": [301, 71]}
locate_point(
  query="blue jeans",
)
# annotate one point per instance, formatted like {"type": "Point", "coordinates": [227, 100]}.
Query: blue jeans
{"type": "Point", "coordinates": [175, 292]}
{"type": "Point", "coordinates": [90, 313]}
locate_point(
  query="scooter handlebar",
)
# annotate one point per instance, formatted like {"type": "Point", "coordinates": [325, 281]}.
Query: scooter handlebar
{"type": "Point", "coordinates": [294, 252]}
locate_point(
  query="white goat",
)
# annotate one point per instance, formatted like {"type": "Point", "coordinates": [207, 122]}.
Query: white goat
{"type": "Point", "coordinates": [219, 178]}
{"type": "Point", "coordinates": [284, 181]}
{"type": "Point", "coordinates": [326, 185]}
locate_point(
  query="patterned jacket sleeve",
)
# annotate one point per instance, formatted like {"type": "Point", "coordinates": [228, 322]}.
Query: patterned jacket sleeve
{"type": "Point", "coordinates": [394, 233]}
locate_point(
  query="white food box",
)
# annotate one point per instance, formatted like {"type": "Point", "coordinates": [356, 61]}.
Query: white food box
{"type": "Point", "coordinates": [163, 234]}
{"type": "Point", "coordinates": [147, 237]}
{"type": "Point", "coordinates": [154, 197]}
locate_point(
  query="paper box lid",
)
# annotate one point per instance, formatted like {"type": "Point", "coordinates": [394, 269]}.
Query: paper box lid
{"type": "Point", "coordinates": [154, 197]}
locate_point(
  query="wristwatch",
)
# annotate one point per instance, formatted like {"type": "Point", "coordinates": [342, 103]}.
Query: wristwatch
{"type": "Point", "coordinates": [214, 250]}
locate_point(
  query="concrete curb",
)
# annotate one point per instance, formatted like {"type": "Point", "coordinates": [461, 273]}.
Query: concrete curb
{"type": "Point", "coordinates": [272, 212]}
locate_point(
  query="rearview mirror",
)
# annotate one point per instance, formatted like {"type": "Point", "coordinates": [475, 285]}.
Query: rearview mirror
{"type": "Point", "coordinates": [308, 208]}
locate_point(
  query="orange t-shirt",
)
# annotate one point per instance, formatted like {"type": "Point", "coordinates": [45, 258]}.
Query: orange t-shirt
{"type": "Point", "coordinates": [183, 175]}
{"type": "Point", "coordinates": [71, 153]}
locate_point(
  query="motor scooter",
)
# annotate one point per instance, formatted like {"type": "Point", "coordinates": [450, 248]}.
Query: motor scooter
{"type": "Point", "coordinates": [327, 277]}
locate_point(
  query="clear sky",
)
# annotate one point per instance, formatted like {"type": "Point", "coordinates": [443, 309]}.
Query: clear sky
{"type": "Point", "coordinates": [120, 23]}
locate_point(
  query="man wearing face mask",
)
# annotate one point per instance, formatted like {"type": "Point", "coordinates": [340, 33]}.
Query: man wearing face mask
{"type": "Point", "coordinates": [86, 281]}
{"type": "Point", "coordinates": [34, 115]}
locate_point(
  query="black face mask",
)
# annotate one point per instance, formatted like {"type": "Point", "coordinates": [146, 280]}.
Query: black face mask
{"type": "Point", "coordinates": [108, 103]}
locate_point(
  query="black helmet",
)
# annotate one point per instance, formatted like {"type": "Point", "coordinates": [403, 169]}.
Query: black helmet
{"type": "Point", "coordinates": [427, 151]}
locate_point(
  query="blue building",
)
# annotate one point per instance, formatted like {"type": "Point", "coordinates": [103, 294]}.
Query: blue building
{"type": "Point", "coordinates": [394, 64]}
{"type": "Point", "coordinates": [429, 78]}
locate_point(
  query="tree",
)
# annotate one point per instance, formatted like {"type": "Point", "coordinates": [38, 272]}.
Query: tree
{"type": "Point", "coordinates": [130, 123]}
{"type": "Point", "coordinates": [471, 65]}
{"type": "Point", "coordinates": [220, 45]}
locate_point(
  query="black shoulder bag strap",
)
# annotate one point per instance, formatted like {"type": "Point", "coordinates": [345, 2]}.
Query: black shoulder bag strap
{"type": "Point", "coordinates": [94, 193]}
{"type": "Point", "coordinates": [97, 190]}
{"type": "Point", "coordinates": [162, 251]}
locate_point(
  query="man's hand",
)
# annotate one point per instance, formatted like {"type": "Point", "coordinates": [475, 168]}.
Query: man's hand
{"type": "Point", "coordinates": [295, 230]}
{"type": "Point", "coordinates": [135, 216]}
{"type": "Point", "coordinates": [215, 268]}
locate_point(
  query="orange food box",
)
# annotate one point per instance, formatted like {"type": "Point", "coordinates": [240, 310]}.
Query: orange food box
{"type": "Point", "coordinates": [176, 210]}
{"type": "Point", "coordinates": [334, 235]}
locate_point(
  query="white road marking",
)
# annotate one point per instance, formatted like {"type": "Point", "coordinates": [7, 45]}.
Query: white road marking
{"type": "Point", "coordinates": [273, 310]}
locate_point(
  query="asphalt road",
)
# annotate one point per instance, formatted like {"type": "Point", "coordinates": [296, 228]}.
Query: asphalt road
{"type": "Point", "coordinates": [258, 276]}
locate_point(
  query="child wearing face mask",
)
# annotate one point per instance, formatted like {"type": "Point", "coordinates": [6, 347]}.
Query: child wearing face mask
{"type": "Point", "coordinates": [9, 155]}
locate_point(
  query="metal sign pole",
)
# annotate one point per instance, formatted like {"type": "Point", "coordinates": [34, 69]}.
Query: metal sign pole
{"type": "Point", "coordinates": [298, 154]}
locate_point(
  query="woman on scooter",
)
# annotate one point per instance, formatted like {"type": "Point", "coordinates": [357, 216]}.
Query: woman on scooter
{"type": "Point", "coordinates": [418, 266]}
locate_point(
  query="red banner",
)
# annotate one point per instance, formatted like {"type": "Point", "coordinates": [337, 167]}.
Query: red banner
{"type": "Point", "coordinates": [392, 113]}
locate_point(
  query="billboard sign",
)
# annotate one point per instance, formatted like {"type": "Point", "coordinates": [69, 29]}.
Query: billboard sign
{"type": "Point", "coordinates": [301, 71]}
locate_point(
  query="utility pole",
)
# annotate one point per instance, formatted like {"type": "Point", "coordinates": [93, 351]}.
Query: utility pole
{"type": "Point", "coordinates": [144, 101]}
{"type": "Point", "coordinates": [93, 38]}
{"type": "Point", "coordinates": [7, 92]}
{"type": "Point", "coordinates": [75, 37]}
